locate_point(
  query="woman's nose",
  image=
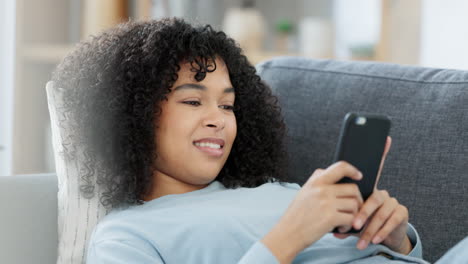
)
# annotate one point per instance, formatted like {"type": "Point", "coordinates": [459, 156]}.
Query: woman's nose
{"type": "Point", "coordinates": [214, 119]}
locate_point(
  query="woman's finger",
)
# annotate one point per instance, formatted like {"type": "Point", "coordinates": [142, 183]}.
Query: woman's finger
{"type": "Point", "coordinates": [347, 205]}
{"type": "Point", "coordinates": [314, 176]}
{"type": "Point", "coordinates": [343, 220]}
{"type": "Point", "coordinates": [388, 145]}
{"type": "Point", "coordinates": [379, 219]}
{"type": "Point", "coordinates": [348, 190]}
{"type": "Point", "coordinates": [316, 173]}
{"type": "Point", "coordinates": [369, 207]}
{"type": "Point", "coordinates": [336, 172]}
{"type": "Point", "coordinates": [399, 216]}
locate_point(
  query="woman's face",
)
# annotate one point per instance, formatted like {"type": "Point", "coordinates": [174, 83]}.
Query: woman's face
{"type": "Point", "coordinates": [195, 131]}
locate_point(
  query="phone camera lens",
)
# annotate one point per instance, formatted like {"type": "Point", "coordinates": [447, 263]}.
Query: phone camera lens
{"type": "Point", "coordinates": [361, 121]}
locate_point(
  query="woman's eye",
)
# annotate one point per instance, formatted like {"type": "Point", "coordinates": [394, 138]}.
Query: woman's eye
{"type": "Point", "coordinates": [228, 107]}
{"type": "Point", "coordinates": [194, 103]}
{"type": "Point", "coordinates": [197, 103]}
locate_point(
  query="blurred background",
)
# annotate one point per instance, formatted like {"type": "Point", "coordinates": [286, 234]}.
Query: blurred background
{"type": "Point", "coordinates": [35, 35]}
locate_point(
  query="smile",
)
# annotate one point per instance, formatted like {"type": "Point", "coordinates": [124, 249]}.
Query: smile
{"type": "Point", "coordinates": [211, 149]}
{"type": "Point", "coordinates": [207, 144]}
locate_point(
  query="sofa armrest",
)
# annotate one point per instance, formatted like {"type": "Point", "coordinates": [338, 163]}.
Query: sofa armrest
{"type": "Point", "coordinates": [28, 221]}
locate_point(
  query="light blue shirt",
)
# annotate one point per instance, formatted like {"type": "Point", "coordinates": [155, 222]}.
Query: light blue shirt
{"type": "Point", "coordinates": [219, 225]}
{"type": "Point", "coordinates": [457, 254]}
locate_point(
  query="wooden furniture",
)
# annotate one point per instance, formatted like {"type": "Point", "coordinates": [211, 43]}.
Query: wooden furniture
{"type": "Point", "coordinates": [400, 34]}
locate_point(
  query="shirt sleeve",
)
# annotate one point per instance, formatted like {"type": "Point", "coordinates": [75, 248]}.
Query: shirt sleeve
{"type": "Point", "coordinates": [120, 252]}
{"type": "Point", "coordinates": [259, 254]}
{"type": "Point", "coordinates": [415, 241]}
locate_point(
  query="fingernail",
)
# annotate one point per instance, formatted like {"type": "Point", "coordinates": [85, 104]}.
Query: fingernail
{"type": "Point", "coordinates": [360, 175]}
{"type": "Point", "coordinates": [376, 240]}
{"type": "Point", "coordinates": [362, 244]}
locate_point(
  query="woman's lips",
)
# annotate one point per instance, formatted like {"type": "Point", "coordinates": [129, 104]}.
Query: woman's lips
{"type": "Point", "coordinates": [211, 151]}
{"type": "Point", "coordinates": [210, 146]}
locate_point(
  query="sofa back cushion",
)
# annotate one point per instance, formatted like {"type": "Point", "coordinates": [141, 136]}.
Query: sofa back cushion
{"type": "Point", "coordinates": [427, 167]}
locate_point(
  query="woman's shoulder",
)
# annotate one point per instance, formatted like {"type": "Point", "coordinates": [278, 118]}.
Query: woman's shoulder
{"type": "Point", "coordinates": [121, 223]}
{"type": "Point", "coordinates": [120, 230]}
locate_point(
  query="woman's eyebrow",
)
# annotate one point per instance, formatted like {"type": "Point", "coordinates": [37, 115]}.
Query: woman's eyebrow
{"type": "Point", "coordinates": [199, 87]}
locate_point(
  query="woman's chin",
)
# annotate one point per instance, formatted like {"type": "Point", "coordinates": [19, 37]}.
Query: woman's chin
{"type": "Point", "coordinates": [206, 179]}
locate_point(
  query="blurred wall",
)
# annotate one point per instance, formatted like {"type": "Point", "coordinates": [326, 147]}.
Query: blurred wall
{"type": "Point", "coordinates": [444, 38]}
{"type": "Point", "coordinates": [357, 23]}
{"type": "Point", "coordinates": [212, 12]}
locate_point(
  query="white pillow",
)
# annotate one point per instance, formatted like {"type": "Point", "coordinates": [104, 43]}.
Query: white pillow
{"type": "Point", "coordinates": [77, 215]}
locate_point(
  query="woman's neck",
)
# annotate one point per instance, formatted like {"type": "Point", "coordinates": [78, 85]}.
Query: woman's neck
{"type": "Point", "coordinates": [166, 185]}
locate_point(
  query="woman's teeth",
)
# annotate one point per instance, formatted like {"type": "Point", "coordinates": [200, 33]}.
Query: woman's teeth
{"type": "Point", "coordinates": [210, 145]}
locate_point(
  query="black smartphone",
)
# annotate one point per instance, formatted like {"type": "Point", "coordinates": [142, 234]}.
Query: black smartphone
{"type": "Point", "coordinates": [362, 143]}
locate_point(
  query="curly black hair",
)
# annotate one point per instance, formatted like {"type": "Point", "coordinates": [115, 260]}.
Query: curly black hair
{"type": "Point", "coordinates": [113, 85]}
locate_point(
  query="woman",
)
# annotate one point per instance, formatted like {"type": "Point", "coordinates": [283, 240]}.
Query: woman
{"type": "Point", "coordinates": [189, 146]}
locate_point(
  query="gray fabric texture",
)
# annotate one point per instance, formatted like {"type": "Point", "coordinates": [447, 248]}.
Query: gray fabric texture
{"type": "Point", "coordinates": [427, 167]}
{"type": "Point", "coordinates": [28, 220]}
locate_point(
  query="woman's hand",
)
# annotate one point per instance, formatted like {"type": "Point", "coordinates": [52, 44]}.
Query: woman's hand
{"type": "Point", "coordinates": [319, 207]}
{"type": "Point", "coordinates": [388, 222]}
{"type": "Point", "coordinates": [327, 204]}
{"type": "Point", "coordinates": [384, 219]}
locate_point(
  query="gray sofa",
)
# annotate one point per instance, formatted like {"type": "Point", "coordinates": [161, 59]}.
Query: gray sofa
{"type": "Point", "coordinates": [427, 167]}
